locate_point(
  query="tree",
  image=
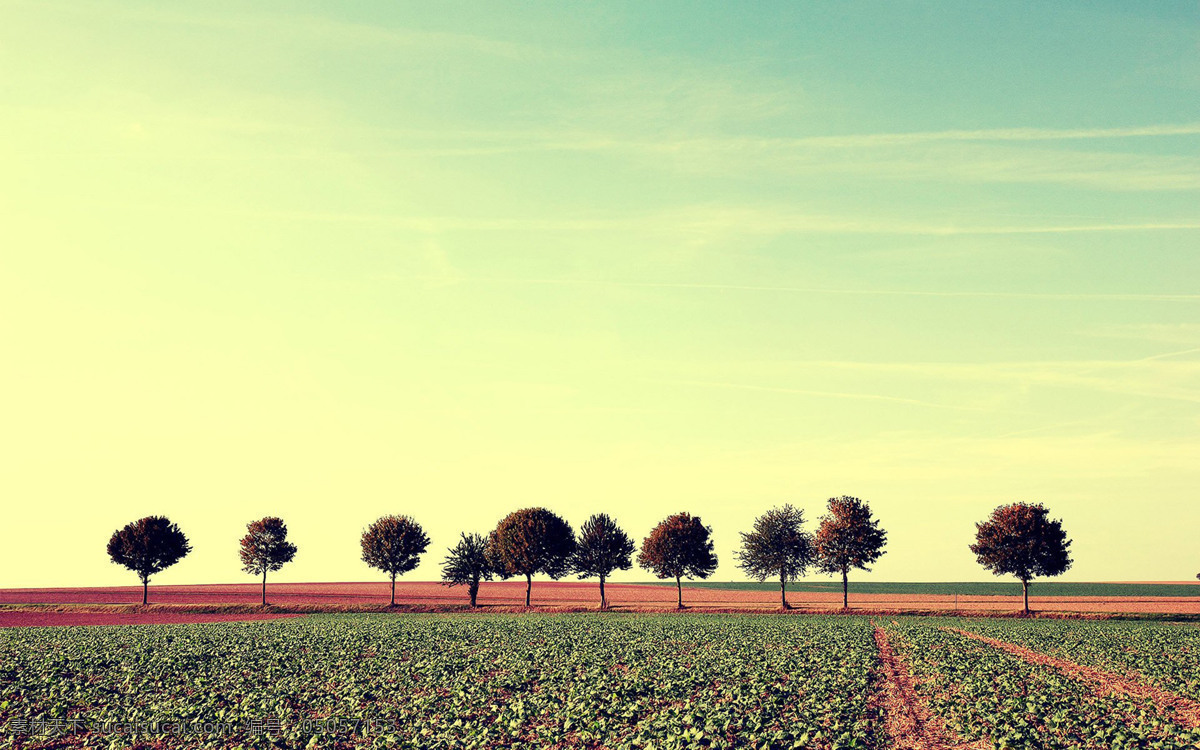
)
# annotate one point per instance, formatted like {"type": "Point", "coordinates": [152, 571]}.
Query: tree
{"type": "Point", "coordinates": [679, 546]}
{"type": "Point", "coordinates": [266, 548]}
{"type": "Point", "coordinates": [778, 546]}
{"type": "Point", "coordinates": [394, 544]}
{"type": "Point", "coordinates": [602, 547]}
{"type": "Point", "coordinates": [467, 564]}
{"type": "Point", "coordinates": [147, 546]}
{"type": "Point", "coordinates": [529, 541]}
{"type": "Point", "coordinates": [1021, 540]}
{"type": "Point", "coordinates": [848, 538]}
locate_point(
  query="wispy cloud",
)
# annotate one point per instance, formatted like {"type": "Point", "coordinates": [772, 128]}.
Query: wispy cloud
{"type": "Point", "coordinates": [1167, 355]}
{"type": "Point", "coordinates": [1154, 377]}
{"type": "Point", "coordinates": [502, 141]}
{"type": "Point", "coordinates": [1000, 134]}
{"type": "Point", "coordinates": [301, 26]}
{"type": "Point", "coordinates": [819, 394]}
{"type": "Point", "coordinates": [1083, 296]}
{"type": "Point", "coordinates": [708, 220]}
{"type": "Point", "coordinates": [1005, 155]}
{"type": "Point", "coordinates": [1185, 334]}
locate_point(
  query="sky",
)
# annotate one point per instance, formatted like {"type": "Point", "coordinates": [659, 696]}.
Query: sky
{"type": "Point", "coordinates": [333, 261]}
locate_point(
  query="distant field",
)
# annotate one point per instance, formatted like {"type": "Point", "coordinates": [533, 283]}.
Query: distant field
{"type": "Point", "coordinates": [65, 606]}
{"type": "Point", "coordinates": [988, 588]}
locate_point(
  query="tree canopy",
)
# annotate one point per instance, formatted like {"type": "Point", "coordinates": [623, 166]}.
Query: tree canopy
{"type": "Point", "coordinates": [147, 546]}
{"type": "Point", "coordinates": [1022, 540]}
{"type": "Point", "coordinates": [531, 541]}
{"type": "Point", "coordinates": [679, 546]}
{"type": "Point", "coordinates": [779, 547]}
{"type": "Point", "coordinates": [601, 548]}
{"type": "Point", "coordinates": [848, 537]}
{"type": "Point", "coordinates": [394, 544]}
{"type": "Point", "coordinates": [265, 548]}
{"type": "Point", "coordinates": [467, 564]}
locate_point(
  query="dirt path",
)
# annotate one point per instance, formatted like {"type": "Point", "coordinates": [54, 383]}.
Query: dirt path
{"type": "Point", "coordinates": [1181, 710]}
{"type": "Point", "coordinates": [909, 722]}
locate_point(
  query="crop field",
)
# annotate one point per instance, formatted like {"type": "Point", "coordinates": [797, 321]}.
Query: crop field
{"type": "Point", "coordinates": [603, 681]}
{"type": "Point", "coordinates": [984, 693]}
{"type": "Point", "coordinates": [1168, 657]}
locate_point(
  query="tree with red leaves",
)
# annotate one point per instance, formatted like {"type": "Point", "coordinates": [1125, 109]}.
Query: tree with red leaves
{"type": "Point", "coordinates": [531, 541]}
{"type": "Point", "coordinates": [679, 546]}
{"type": "Point", "coordinates": [849, 537]}
{"type": "Point", "coordinates": [394, 544]}
{"type": "Point", "coordinates": [265, 548]}
{"type": "Point", "coordinates": [147, 546]}
{"type": "Point", "coordinates": [1021, 540]}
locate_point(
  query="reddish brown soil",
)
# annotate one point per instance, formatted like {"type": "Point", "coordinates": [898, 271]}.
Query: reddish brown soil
{"type": "Point", "coordinates": [910, 724]}
{"type": "Point", "coordinates": [1184, 711]}
{"type": "Point", "coordinates": [560, 595]}
{"type": "Point", "coordinates": [346, 595]}
{"type": "Point", "coordinates": [36, 618]}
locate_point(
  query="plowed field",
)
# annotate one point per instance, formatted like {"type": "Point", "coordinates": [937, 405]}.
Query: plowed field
{"type": "Point", "coordinates": [553, 595]}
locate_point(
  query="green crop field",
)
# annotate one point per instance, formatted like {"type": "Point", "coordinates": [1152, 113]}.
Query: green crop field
{"type": "Point", "coordinates": [586, 680]}
{"type": "Point", "coordinates": [987, 694]}
{"type": "Point", "coordinates": [1167, 656]}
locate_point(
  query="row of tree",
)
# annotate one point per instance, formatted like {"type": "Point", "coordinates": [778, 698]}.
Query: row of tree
{"type": "Point", "coordinates": [1019, 539]}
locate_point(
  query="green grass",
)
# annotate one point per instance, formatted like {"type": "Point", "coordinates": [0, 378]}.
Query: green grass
{"type": "Point", "coordinates": [988, 588]}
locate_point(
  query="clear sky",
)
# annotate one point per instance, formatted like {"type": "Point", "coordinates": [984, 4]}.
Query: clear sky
{"type": "Point", "coordinates": [329, 261]}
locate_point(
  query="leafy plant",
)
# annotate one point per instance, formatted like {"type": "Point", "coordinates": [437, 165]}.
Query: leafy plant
{"type": "Point", "coordinates": [778, 546]}
{"type": "Point", "coordinates": [467, 564]}
{"type": "Point", "coordinates": [394, 544]}
{"type": "Point", "coordinates": [601, 548]}
{"type": "Point", "coordinates": [1022, 540]}
{"type": "Point", "coordinates": [265, 548]}
{"type": "Point", "coordinates": [531, 541]}
{"type": "Point", "coordinates": [147, 546]}
{"type": "Point", "coordinates": [679, 546]}
{"type": "Point", "coordinates": [849, 537]}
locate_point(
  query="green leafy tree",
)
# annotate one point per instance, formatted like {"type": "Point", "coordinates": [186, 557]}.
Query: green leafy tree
{"type": "Point", "coordinates": [849, 537]}
{"type": "Point", "coordinates": [265, 548]}
{"type": "Point", "coordinates": [467, 564]}
{"type": "Point", "coordinates": [679, 546]}
{"type": "Point", "coordinates": [601, 548]}
{"type": "Point", "coordinates": [778, 546]}
{"type": "Point", "coordinates": [1021, 540]}
{"type": "Point", "coordinates": [147, 546]}
{"type": "Point", "coordinates": [394, 544]}
{"type": "Point", "coordinates": [531, 541]}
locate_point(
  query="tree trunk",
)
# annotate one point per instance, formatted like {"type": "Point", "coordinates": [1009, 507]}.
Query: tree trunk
{"type": "Point", "coordinates": [783, 591]}
{"type": "Point", "coordinates": [145, 590]}
{"type": "Point", "coordinates": [474, 589]}
{"type": "Point", "coordinates": [264, 597]}
{"type": "Point", "coordinates": [845, 588]}
{"type": "Point", "coordinates": [1025, 592]}
{"type": "Point", "coordinates": [679, 589]}
{"type": "Point", "coordinates": [393, 591]}
{"type": "Point", "coordinates": [603, 601]}
{"type": "Point", "coordinates": [528, 587]}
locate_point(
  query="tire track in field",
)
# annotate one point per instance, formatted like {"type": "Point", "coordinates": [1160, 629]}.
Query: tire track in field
{"type": "Point", "coordinates": [1171, 706]}
{"type": "Point", "coordinates": [909, 723]}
